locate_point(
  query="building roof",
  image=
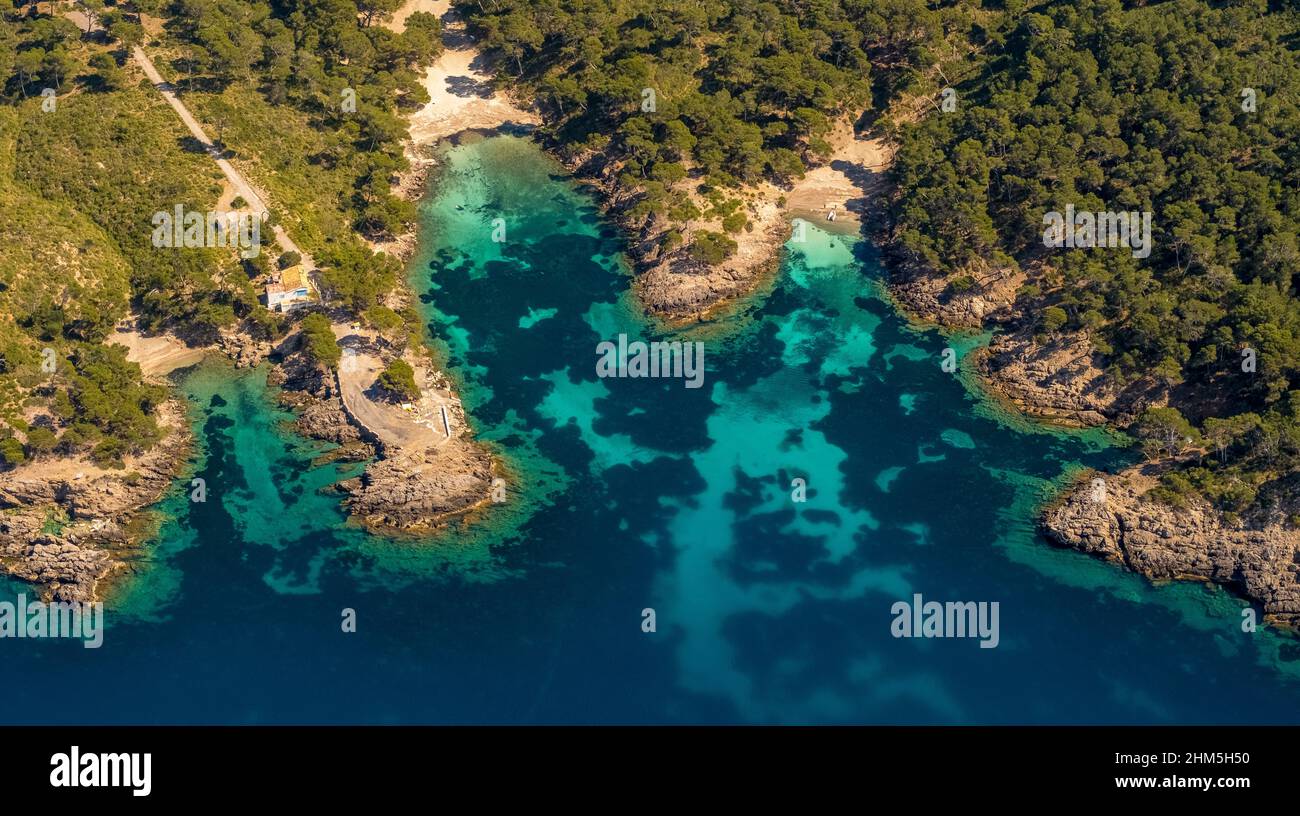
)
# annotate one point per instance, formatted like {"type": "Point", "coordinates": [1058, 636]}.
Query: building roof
{"type": "Point", "coordinates": [290, 280]}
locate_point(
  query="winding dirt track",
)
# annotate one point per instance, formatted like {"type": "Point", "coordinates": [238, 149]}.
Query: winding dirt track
{"type": "Point", "coordinates": [256, 201]}
{"type": "Point", "coordinates": [357, 370]}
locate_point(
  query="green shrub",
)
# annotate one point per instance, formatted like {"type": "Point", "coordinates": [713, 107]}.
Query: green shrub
{"type": "Point", "coordinates": [735, 222]}
{"type": "Point", "coordinates": [960, 284]}
{"type": "Point", "coordinates": [11, 452]}
{"type": "Point", "coordinates": [383, 318]}
{"type": "Point", "coordinates": [41, 441]}
{"type": "Point", "coordinates": [398, 379]}
{"type": "Point", "coordinates": [108, 453]}
{"type": "Point", "coordinates": [1054, 318]}
{"type": "Point", "coordinates": [712, 247]}
{"type": "Point", "coordinates": [319, 341]}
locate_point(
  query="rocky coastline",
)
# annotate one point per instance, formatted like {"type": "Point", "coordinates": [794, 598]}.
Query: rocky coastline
{"type": "Point", "coordinates": [1060, 379]}
{"type": "Point", "coordinates": [66, 533]}
{"type": "Point", "coordinates": [677, 288]}
{"type": "Point", "coordinates": [1257, 556]}
{"type": "Point", "coordinates": [404, 489]}
{"type": "Point", "coordinates": [67, 526]}
{"type": "Point", "coordinates": [1057, 378]}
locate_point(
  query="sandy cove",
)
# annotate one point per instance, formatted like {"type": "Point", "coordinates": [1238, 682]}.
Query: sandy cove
{"type": "Point", "coordinates": [461, 96]}
{"type": "Point", "coordinates": [430, 468]}
{"type": "Point", "coordinates": [157, 355]}
{"type": "Point", "coordinates": [461, 99]}
{"type": "Point", "coordinates": [680, 289]}
{"type": "Point", "coordinates": [1061, 381]}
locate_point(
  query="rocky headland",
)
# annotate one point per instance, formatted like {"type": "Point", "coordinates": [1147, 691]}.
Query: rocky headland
{"type": "Point", "coordinates": [1257, 555]}
{"type": "Point", "coordinates": [425, 466]}
{"type": "Point", "coordinates": [1056, 377]}
{"type": "Point", "coordinates": [1060, 378]}
{"type": "Point", "coordinates": [677, 287]}
{"type": "Point", "coordinates": [66, 525]}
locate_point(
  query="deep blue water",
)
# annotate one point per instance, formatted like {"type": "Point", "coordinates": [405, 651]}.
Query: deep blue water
{"type": "Point", "coordinates": [629, 494]}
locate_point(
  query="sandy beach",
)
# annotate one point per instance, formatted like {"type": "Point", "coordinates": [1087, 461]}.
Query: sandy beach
{"type": "Point", "coordinates": [678, 289]}
{"type": "Point", "coordinates": [158, 355]}
{"type": "Point", "coordinates": [843, 184]}
{"type": "Point", "coordinates": [460, 94]}
{"type": "Point", "coordinates": [461, 99]}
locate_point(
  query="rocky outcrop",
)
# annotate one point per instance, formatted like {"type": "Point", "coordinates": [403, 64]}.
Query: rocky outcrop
{"type": "Point", "coordinates": [323, 419]}
{"type": "Point", "coordinates": [244, 351]}
{"type": "Point", "coordinates": [414, 492]}
{"type": "Point", "coordinates": [297, 371]}
{"type": "Point", "coordinates": [1059, 379]}
{"type": "Point", "coordinates": [311, 391]}
{"type": "Point", "coordinates": [404, 490]}
{"type": "Point", "coordinates": [964, 299]}
{"type": "Point", "coordinates": [680, 287]}
{"type": "Point", "coordinates": [67, 566]}
{"type": "Point", "coordinates": [676, 286]}
{"type": "Point", "coordinates": [1109, 516]}
{"type": "Point", "coordinates": [64, 524]}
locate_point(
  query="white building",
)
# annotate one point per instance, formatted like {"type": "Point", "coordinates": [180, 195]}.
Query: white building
{"type": "Point", "coordinates": [290, 290]}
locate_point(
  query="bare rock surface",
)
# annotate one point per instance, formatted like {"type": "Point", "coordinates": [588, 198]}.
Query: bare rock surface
{"type": "Point", "coordinates": [1060, 379]}
{"type": "Point", "coordinates": [64, 524]}
{"type": "Point", "coordinates": [405, 489]}
{"type": "Point", "coordinates": [678, 286]}
{"type": "Point", "coordinates": [244, 350]}
{"type": "Point", "coordinates": [417, 491]}
{"type": "Point", "coordinates": [66, 567]}
{"type": "Point", "coordinates": [935, 298]}
{"type": "Point", "coordinates": [1258, 556]}
{"type": "Point", "coordinates": [311, 391]}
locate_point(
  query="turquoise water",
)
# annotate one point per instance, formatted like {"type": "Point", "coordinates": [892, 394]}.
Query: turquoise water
{"type": "Point", "coordinates": [629, 494]}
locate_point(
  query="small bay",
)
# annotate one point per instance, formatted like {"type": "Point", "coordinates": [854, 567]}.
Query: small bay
{"type": "Point", "coordinates": [635, 494]}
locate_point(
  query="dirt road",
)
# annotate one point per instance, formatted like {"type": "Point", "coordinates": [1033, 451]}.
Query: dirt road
{"type": "Point", "coordinates": [256, 201]}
